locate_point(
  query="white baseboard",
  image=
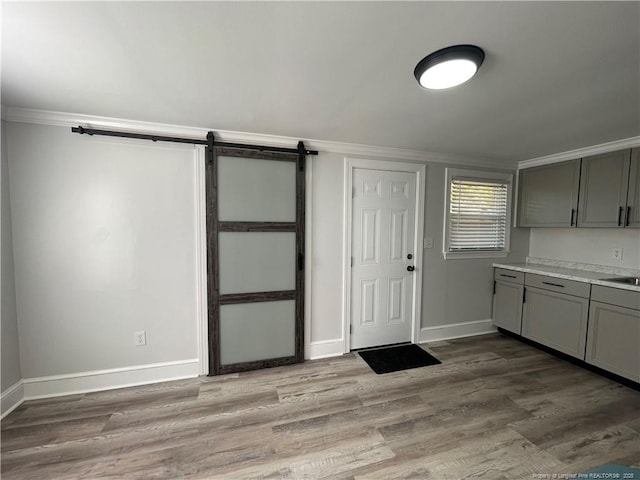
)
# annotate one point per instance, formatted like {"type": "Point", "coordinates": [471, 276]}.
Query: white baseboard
{"type": "Point", "coordinates": [84, 382]}
{"type": "Point", "coordinates": [456, 330]}
{"type": "Point", "coordinates": [335, 348]}
{"type": "Point", "coordinates": [11, 398]}
{"type": "Point", "coordinates": [325, 348]}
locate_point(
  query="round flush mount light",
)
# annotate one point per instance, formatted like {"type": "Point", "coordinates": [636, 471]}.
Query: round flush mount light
{"type": "Point", "coordinates": [449, 66]}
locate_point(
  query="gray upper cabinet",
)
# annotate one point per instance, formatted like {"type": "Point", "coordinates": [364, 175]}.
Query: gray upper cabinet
{"type": "Point", "coordinates": [548, 195]}
{"type": "Point", "coordinates": [633, 196]}
{"type": "Point", "coordinates": [597, 191]}
{"type": "Point", "coordinates": [603, 190]}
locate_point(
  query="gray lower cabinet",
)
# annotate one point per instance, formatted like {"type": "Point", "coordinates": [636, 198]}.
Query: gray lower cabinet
{"type": "Point", "coordinates": [594, 323]}
{"type": "Point", "coordinates": [507, 305]}
{"type": "Point", "coordinates": [548, 195]}
{"type": "Point", "coordinates": [556, 320]}
{"type": "Point", "coordinates": [613, 338]}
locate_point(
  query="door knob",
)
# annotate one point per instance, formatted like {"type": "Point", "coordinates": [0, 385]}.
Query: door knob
{"type": "Point", "coordinates": [409, 256]}
{"type": "Point", "coordinates": [410, 268]}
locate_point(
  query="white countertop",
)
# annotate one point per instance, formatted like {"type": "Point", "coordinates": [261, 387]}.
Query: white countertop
{"type": "Point", "coordinates": [587, 276]}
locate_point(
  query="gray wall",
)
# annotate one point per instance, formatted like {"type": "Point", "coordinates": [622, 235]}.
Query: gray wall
{"type": "Point", "coordinates": [9, 320]}
{"type": "Point", "coordinates": [327, 244]}
{"type": "Point", "coordinates": [587, 245]}
{"type": "Point", "coordinates": [105, 232]}
{"type": "Point", "coordinates": [104, 242]}
{"type": "Point", "coordinates": [444, 281]}
{"type": "Point", "coordinates": [457, 290]}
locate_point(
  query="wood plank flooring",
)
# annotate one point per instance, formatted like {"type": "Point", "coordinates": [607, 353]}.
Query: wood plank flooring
{"type": "Point", "coordinates": [494, 409]}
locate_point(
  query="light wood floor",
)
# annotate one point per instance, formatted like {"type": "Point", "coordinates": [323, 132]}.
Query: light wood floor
{"type": "Point", "coordinates": [495, 409]}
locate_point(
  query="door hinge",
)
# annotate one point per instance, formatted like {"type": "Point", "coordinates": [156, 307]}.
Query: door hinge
{"type": "Point", "coordinates": [350, 329]}
{"type": "Point", "coordinates": [494, 287]}
{"type": "Point", "coordinates": [300, 261]}
{"type": "Point", "coordinates": [353, 192]}
{"type": "Point", "coordinates": [352, 261]}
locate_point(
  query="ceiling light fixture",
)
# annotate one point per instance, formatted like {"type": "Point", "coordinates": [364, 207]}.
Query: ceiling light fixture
{"type": "Point", "coordinates": [449, 66]}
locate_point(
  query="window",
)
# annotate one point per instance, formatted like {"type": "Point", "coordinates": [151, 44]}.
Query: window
{"type": "Point", "coordinates": [477, 214]}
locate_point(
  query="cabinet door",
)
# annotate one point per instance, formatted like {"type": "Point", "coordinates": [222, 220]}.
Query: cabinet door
{"type": "Point", "coordinates": [613, 341]}
{"type": "Point", "coordinates": [548, 195]}
{"type": "Point", "coordinates": [507, 306]}
{"type": "Point", "coordinates": [633, 197]}
{"type": "Point", "coordinates": [556, 320]}
{"type": "Point", "coordinates": [603, 190]}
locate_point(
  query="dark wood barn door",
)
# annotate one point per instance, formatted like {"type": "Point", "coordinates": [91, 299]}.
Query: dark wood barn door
{"type": "Point", "coordinates": [255, 248]}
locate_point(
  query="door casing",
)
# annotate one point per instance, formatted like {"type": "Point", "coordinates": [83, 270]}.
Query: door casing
{"type": "Point", "coordinates": [420, 171]}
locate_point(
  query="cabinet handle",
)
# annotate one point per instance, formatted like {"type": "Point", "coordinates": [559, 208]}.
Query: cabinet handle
{"type": "Point", "coordinates": [626, 222]}
{"type": "Point", "coordinates": [509, 276]}
{"type": "Point", "coordinates": [524, 295]}
{"type": "Point", "coordinates": [573, 212]}
{"type": "Point", "coordinates": [494, 287]}
{"type": "Point", "coordinates": [553, 284]}
{"type": "Point", "coordinates": [620, 216]}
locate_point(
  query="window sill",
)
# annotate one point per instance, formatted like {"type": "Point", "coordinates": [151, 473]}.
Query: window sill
{"type": "Point", "coordinates": [461, 255]}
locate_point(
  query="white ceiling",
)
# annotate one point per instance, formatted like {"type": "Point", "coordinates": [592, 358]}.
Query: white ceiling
{"type": "Point", "coordinates": [557, 76]}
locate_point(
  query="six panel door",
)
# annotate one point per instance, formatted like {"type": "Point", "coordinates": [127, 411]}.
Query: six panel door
{"type": "Point", "coordinates": [383, 249]}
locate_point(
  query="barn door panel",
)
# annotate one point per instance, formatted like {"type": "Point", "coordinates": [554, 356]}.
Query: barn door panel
{"type": "Point", "coordinates": [255, 222]}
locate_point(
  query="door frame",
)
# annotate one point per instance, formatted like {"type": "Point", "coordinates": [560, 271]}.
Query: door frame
{"type": "Point", "coordinates": [420, 169]}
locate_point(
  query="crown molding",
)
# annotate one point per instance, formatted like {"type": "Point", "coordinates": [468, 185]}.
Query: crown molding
{"type": "Point", "coordinates": [581, 152]}
{"type": "Point", "coordinates": [62, 119]}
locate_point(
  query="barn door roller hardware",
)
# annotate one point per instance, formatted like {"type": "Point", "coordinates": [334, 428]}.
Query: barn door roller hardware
{"type": "Point", "coordinates": [209, 141]}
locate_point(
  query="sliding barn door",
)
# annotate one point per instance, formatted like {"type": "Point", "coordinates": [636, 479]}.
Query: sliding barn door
{"type": "Point", "coordinates": [255, 224]}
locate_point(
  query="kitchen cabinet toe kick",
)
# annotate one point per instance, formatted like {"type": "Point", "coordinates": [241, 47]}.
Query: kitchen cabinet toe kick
{"type": "Point", "coordinates": [573, 360]}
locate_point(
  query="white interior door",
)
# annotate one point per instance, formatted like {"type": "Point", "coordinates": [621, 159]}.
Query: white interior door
{"type": "Point", "coordinates": [383, 253]}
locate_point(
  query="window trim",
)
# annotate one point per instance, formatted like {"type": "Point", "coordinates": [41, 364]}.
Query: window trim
{"type": "Point", "coordinates": [480, 175]}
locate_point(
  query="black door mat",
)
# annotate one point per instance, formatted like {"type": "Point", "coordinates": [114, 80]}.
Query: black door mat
{"type": "Point", "coordinates": [394, 359]}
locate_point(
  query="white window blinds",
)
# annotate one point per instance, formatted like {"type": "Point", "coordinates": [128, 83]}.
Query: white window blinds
{"type": "Point", "coordinates": [477, 215]}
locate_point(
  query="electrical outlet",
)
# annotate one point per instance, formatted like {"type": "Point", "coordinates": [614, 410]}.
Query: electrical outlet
{"type": "Point", "coordinates": [428, 242]}
{"type": "Point", "coordinates": [616, 253]}
{"type": "Point", "coordinates": [140, 338]}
